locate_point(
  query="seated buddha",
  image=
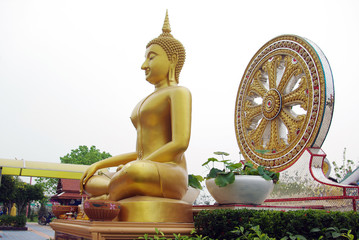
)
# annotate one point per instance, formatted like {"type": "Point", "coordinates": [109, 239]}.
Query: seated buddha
{"type": "Point", "coordinates": [163, 122]}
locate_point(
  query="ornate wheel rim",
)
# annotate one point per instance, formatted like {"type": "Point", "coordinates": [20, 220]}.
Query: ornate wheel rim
{"type": "Point", "coordinates": [284, 103]}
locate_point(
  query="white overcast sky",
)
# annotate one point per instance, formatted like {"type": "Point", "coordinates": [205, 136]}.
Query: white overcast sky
{"type": "Point", "coordinates": [70, 70]}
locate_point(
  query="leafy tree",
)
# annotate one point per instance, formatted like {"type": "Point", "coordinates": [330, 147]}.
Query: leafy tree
{"type": "Point", "coordinates": [25, 193]}
{"type": "Point", "coordinates": [81, 155]}
{"type": "Point", "coordinates": [13, 190]}
{"type": "Point", "coordinates": [48, 184]}
{"type": "Point", "coordinates": [7, 191]}
{"type": "Point", "coordinates": [84, 155]}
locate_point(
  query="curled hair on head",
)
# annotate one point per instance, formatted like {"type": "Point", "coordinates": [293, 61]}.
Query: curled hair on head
{"type": "Point", "coordinates": [171, 46]}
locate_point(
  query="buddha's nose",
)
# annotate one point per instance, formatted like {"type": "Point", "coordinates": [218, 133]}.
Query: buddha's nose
{"type": "Point", "coordinates": [144, 65]}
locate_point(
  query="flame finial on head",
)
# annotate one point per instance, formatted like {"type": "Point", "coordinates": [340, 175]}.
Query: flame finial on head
{"type": "Point", "coordinates": [166, 25]}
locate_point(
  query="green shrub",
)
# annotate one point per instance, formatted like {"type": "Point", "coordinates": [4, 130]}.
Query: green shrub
{"type": "Point", "coordinates": [17, 221]}
{"type": "Point", "coordinates": [219, 224]}
{"type": "Point", "coordinates": [20, 221]}
{"type": "Point", "coordinates": [6, 220]}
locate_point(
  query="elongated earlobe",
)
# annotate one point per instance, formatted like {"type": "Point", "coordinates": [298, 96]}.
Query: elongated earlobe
{"type": "Point", "coordinates": [172, 70]}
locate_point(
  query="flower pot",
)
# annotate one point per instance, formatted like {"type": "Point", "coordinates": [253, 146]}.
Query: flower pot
{"type": "Point", "coordinates": [191, 195]}
{"type": "Point", "coordinates": [63, 209]}
{"type": "Point", "coordinates": [246, 189]}
{"type": "Point", "coordinates": [101, 210]}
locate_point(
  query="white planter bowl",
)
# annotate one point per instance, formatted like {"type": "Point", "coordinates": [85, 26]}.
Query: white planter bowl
{"type": "Point", "coordinates": [191, 195]}
{"type": "Point", "coordinates": [246, 189]}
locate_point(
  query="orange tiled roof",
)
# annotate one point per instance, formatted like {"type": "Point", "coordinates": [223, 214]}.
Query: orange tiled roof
{"type": "Point", "coordinates": [68, 185]}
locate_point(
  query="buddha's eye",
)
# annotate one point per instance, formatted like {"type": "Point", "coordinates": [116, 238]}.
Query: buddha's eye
{"type": "Point", "coordinates": [151, 56]}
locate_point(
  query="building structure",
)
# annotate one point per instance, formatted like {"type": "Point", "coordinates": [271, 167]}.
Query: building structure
{"type": "Point", "coordinates": [68, 192]}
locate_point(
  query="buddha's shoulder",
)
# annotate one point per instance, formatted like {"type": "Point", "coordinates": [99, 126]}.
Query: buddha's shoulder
{"type": "Point", "coordinates": [179, 90]}
{"type": "Point", "coordinates": [172, 92]}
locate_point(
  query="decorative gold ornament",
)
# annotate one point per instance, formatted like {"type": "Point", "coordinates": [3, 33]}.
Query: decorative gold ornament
{"type": "Point", "coordinates": [281, 102]}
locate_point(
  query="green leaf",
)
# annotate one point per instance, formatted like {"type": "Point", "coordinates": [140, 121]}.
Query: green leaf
{"type": "Point", "coordinates": [266, 177]}
{"type": "Point", "coordinates": [332, 229]}
{"type": "Point", "coordinates": [336, 234]}
{"type": "Point", "coordinates": [300, 237]}
{"type": "Point", "coordinates": [223, 179]}
{"type": "Point", "coordinates": [234, 166]}
{"type": "Point", "coordinates": [210, 160]}
{"type": "Point", "coordinates": [249, 165]}
{"type": "Point", "coordinates": [213, 173]}
{"type": "Point", "coordinates": [225, 161]}
{"type": "Point", "coordinates": [221, 153]}
{"type": "Point", "coordinates": [261, 170]}
{"type": "Point", "coordinates": [194, 181]}
{"type": "Point", "coordinates": [252, 171]}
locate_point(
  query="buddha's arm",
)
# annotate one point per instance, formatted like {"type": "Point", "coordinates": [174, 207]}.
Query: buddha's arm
{"type": "Point", "coordinates": [108, 162]}
{"type": "Point", "coordinates": [181, 105]}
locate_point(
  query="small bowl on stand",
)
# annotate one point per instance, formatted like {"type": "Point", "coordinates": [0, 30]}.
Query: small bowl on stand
{"type": "Point", "coordinates": [101, 210]}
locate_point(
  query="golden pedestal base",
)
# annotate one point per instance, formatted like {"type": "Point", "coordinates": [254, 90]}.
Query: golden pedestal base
{"type": "Point", "coordinates": [153, 209]}
{"type": "Point", "coordinates": [96, 230]}
{"type": "Point", "coordinates": [138, 216]}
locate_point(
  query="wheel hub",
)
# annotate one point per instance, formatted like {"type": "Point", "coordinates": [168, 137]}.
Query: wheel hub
{"type": "Point", "coordinates": [272, 104]}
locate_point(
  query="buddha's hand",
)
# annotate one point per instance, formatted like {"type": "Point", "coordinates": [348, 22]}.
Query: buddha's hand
{"type": "Point", "coordinates": [90, 171]}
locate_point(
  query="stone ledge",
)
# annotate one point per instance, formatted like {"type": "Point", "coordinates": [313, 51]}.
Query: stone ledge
{"type": "Point", "coordinates": [9, 228]}
{"type": "Point", "coordinates": [81, 229]}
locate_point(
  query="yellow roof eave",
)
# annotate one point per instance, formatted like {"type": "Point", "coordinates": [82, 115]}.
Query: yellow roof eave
{"type": "Point", "coordinates": [42, 169]}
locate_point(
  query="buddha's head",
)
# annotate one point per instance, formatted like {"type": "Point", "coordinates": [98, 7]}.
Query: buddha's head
{"type": "Point", "coordinates": [174, 49]}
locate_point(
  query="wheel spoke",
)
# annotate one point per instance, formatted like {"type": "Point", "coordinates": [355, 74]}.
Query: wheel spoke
{"type": "Point", "coordinates": [274, 136]}
{"type": "Point", "coordinates": [256, 135]}
{"type": "Point", "coordinates": [271, 68]}
{"type": "Point", "coordinates": [290, 75]}
{"type": "Point", "coordinates": [293, 124]}
{"type": "Point", "coordinates": [252, 113]}
{"type": "Point", "coordinates": [299, 96]}
{"type": "Point", "coordinates": [256, 86]}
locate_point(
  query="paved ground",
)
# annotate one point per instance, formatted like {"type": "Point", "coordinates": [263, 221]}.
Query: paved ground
{"type": "Point", "coordinates": [35, 232]}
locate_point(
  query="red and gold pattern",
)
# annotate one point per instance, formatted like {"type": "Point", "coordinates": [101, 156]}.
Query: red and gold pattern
{"type": "Point", "coordinates": [280, 102]}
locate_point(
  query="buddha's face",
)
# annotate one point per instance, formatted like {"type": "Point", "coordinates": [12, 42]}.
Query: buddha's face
{"type": "Point", "coordinates": [156, 65]}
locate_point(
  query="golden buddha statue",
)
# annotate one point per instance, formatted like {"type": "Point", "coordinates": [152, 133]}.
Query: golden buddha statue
{"type": "Point", "coordinates": [163, 122]}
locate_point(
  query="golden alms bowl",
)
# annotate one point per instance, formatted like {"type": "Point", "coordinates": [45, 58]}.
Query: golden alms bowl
{"type": "Point", "coordinates": [101, 210]}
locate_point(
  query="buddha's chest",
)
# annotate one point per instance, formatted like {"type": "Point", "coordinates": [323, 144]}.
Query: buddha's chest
{"type": "Point", "coordinates": [152, 111]}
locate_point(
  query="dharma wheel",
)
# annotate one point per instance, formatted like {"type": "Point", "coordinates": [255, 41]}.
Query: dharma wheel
{"type": "Point", "coordinates": [284, 103]}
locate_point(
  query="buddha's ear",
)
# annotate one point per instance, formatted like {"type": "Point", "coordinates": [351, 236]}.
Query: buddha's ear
{"type": "Point", "coordinates": [173, 64]}
{"type": "Point", "coordinates": [174, 59]}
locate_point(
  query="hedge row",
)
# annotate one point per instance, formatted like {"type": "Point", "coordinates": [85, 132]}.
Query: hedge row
{"type": "Point", "coordinates": [218, 224]}
{"type": "Point", "coordinates": [17, 221]}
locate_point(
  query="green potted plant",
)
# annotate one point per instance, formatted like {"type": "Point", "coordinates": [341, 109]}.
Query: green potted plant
{"type": "Point", "coordinates": [238, 183]}
{"type": "Point", "coordinates": [194, 187]}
